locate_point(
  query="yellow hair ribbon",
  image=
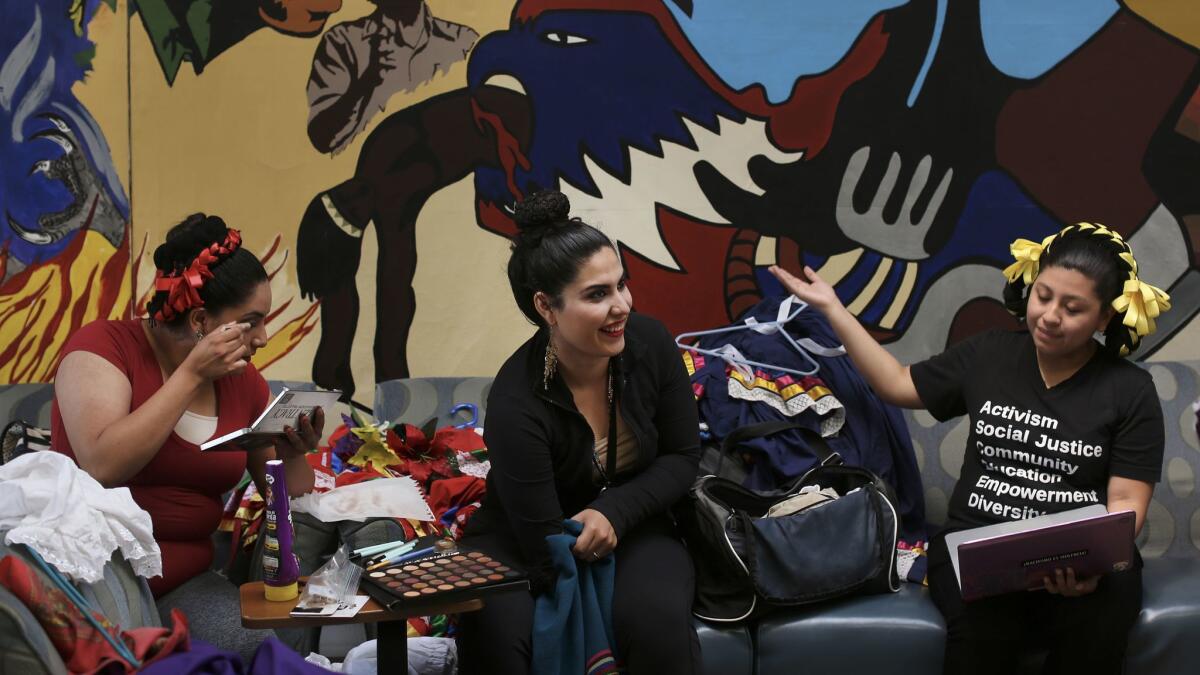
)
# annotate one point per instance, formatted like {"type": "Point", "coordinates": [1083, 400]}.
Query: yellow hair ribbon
{"type": "Point", "coordinates": [1141, 303]}
{"type": "Point", "coordinates": [1128, 258]}
{"type": "Point", "coordinates": [1027, 254]}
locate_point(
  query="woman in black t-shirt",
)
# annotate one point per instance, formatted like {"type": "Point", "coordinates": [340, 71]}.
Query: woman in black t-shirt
{"type": "Point", "coordinates": [1058, 420]}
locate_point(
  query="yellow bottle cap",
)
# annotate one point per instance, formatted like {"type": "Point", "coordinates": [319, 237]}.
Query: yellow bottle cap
{"type": "Point", "coordinates": [282, 593]}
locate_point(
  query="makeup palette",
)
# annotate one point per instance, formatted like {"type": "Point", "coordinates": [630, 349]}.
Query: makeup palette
{"type": "Point", "coordinates": [462, 574]}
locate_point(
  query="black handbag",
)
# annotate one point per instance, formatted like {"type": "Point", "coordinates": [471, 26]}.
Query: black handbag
{"type": "Point", "coordinates": [748, 563]}
{"type": "Point", "coordinates": [21, 437]}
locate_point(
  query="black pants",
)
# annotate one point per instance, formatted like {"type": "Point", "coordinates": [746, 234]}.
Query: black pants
{"type": "Point", "coordinates": [652, 603]}
{"type": "Point", "coordinates": [1086, 635]}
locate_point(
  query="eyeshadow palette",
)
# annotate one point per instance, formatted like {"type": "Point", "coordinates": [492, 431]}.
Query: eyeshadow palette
{"type": "Point", "coordinates": [452, 576]}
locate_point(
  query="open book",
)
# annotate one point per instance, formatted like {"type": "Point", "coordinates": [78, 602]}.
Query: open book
{"type": "Point", "coordinates": [284, 411]}
{"type": "Point", "coordinates": [1017, 555]}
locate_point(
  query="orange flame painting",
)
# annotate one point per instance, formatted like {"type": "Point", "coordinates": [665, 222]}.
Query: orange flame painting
{"type": "Point", "coordinates": [41, 306]}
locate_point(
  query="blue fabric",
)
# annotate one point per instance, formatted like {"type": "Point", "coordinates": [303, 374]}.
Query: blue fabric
{"type": "Point", "coordinates": [572, 623]}
{"type": "Point", "coordinates": [874, 435]}
{"type": "Point", "coordinates": [205, 659]}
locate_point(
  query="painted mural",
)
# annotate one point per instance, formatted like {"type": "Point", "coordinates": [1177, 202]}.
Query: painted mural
{"type": "Point", "coordinates": [899, 154]}
{"type": "Point", "coordinates": [898, 147]}
{"type": "Point", "coordinates": [197, 31]}
{"type": "Point", "coordinates": [65, 242]}
{"type": "Point", "coordinates": [64, 251]}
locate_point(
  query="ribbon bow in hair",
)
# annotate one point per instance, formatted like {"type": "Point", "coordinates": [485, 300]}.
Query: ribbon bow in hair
{"type": "Point", "coordinates": [1141, 303]}
{"type": "Point", "coordinates": [1027, 254]}
{"type": "Point", "coordinates": [183, 288]}
{"type": "Point", "coordinates": [1128, 258]}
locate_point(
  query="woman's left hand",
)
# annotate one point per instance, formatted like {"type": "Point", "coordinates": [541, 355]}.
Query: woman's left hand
{"type": "Point", "coordinates": [1066, 585]}
{"type": "Point", "coordinates": [304, 438]}
{"type": "Point", "coordinates": [598, 538]}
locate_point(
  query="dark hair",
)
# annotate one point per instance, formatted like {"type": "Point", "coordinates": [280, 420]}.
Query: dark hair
{"type": "Point", "coordinates": [1096, 254]}
{"type": "Point", "coordinates": [235, 276]}
{"type": "Point", "coordinates": [549, 249]}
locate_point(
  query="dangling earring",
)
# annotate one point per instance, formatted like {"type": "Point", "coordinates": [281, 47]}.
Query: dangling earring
{"type": "Point", "coordinates": [199, 335]}
{"type": "Point", "coordinates": [551, 364]}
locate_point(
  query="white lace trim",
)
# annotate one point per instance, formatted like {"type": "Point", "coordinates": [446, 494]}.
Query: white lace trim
{"type": "Point", "coordinates": [469, 465]}
{"type": "Point", "coordinates": [826, 405]}
{"type": "Point", "coordinates": [71, 520]}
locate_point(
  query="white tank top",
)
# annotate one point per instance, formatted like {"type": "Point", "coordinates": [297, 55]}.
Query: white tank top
{"type": "Point", "coordinates": [195, 429]}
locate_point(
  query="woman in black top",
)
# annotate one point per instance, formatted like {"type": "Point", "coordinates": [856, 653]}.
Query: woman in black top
{"type": "Point", "coordinates": [1058, 421]}
{"type": "Point", "coordinates": [592, 419]}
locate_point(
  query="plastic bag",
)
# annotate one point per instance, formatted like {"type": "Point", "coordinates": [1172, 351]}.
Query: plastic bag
{"type": "Point", "coordinates": [335, 583]}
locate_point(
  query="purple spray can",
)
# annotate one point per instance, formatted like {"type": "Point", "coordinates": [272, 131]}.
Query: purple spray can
{"type": "Point", "coordinates": [281, 570]}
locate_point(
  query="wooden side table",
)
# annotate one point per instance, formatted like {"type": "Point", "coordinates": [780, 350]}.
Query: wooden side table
{"type": "Point", "coordinates": [258, 612]}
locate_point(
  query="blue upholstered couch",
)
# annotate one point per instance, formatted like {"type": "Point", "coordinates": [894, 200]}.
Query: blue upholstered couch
{"type": "Point", "coordinates": [862, 635]}
{"type": "Point", "coordinates": [880, 634]}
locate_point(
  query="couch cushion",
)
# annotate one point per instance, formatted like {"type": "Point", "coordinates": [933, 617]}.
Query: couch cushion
{"type": "Point", "coordinates": [867, 634]}
{"type": "Point", "coordinates": [418, 399]}
{"type": "Point", "coordinates": [24, 646]}
{"type": "Point", "coordinates": [725, 649]}
{"type": "Point", "coordinates": [1165, 638]}
{"type": "Point", "coordinates": [26, 402]}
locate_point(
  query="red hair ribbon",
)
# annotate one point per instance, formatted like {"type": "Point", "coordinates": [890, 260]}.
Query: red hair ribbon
{"type": "Point", "coordinates": [183, 286]}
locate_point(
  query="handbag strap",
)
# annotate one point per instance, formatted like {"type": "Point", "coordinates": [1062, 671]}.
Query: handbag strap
{"type": "Point", "coordinates": [827, 455]}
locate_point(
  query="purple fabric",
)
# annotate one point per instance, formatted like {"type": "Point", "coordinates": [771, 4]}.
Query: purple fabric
{"type": "Point", "coordinates": [205, 659]}
{"type": "Point", "coordinates": [275, 657]}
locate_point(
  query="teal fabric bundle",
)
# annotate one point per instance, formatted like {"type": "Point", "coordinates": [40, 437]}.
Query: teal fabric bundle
{"type": "Point", "coordinates": [572, 624]}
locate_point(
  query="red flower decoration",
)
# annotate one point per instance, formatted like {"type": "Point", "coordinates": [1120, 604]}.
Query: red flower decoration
{"type": "Point", "coordinates": [421, 459]}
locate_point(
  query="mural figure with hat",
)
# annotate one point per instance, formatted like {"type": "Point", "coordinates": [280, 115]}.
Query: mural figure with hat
{"type": "Point", "coordinates": [361, 63]}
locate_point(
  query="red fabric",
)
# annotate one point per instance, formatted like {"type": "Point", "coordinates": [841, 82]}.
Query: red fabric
{"type": "Point", "coordinates": [243, 518]}
{"type": "Point", "coordinates": [449, 492]}
{"type": "Point", "coordinates": [81, 645]}
{"type": "Point", "coordinates": [322, 463]}
{"type": "Point", "coordinates": [458, 440]}
{"type": "Point", "coordinates": [465, 493]}
{"type": "Point", "coordinates": [180, 487]}
{"type": "Point", "coordinates": [429, 460]}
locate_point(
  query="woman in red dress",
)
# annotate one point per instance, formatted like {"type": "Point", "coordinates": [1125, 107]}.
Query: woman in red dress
{"type": "Point", "coordinates": [134, 399]}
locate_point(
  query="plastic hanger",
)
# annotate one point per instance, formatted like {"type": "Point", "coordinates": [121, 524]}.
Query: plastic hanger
{"type": "Point", "coordinates": [805, 347]}
{"type": "Point", "coordinates": [469, 407]}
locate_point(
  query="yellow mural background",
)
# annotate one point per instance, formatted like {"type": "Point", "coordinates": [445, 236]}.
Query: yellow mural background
{"type": "Point", "coordinates": [232, 141]}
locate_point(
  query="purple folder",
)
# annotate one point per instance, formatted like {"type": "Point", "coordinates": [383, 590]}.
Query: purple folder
{"type": "Point", "coordinates": [1016, 556]}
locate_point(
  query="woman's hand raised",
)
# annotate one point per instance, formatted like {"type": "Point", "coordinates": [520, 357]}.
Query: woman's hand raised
{"type": "Point", "coordinates": [812, 289]}
{"type": "Point", "coordinates": [220, 353]}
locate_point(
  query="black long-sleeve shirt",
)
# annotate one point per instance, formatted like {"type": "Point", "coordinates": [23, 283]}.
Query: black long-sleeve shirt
{"type": "Point", "coordinates": [541, 447]}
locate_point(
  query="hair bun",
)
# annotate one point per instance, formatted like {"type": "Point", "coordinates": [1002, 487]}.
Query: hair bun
{"type": "Point", "coordinates": [185, 241]}
{"type": "Point", "coordinates": [542, 209]}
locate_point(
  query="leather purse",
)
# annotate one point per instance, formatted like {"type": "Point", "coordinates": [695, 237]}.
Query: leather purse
{"type": "Point", "coordinates": [749, 563]}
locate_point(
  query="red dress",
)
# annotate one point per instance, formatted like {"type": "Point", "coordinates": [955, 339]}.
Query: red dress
{"type": "Point", "coordinates": [180, 487]}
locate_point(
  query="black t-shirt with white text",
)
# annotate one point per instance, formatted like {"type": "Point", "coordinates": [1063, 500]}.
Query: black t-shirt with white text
{"type": "Point", "coordinates": [1033, 450]}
